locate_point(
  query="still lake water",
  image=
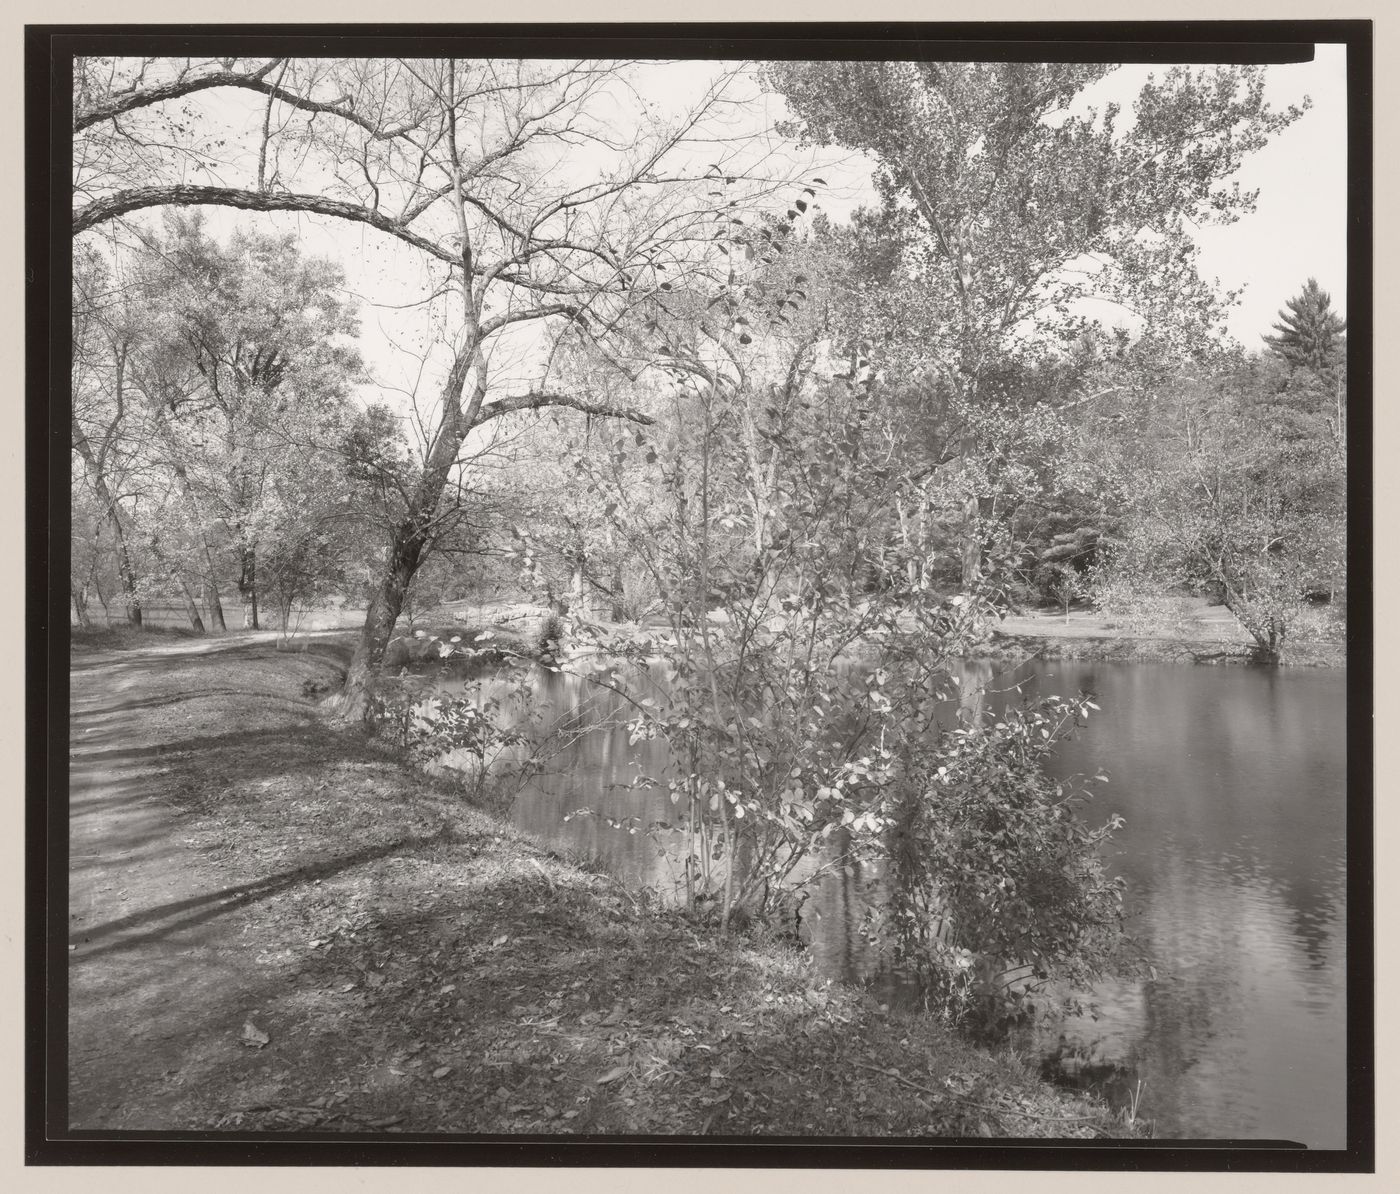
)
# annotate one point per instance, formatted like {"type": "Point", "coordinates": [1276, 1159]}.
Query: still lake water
{"type": "Point", "coordinates": [1232, 783]}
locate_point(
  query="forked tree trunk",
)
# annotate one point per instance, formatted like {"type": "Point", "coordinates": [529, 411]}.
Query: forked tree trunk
{"type": "Point", "coordinates": [1268, 635]}
{"type": "Point", "coordinates": [1269, 639]}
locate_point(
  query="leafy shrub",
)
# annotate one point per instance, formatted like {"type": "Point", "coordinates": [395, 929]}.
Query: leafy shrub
{"type": "Point", "coordinates": [813, 614]}
{"type": "Point", "coordinates": [495, 735]}
{"type": "Point", "coordinates": [997, 880]}
{"type": "Point", "coordinates": [1319, 624]}
{"type": "Point", "coordinates": [424, 723]}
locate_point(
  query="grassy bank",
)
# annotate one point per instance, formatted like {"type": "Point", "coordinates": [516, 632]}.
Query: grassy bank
{"type": "Point", "coordinates": [397, 960]}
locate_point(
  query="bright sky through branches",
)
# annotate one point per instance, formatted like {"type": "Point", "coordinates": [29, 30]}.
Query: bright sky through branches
{"type": "Point", "coordinates": [1298, 230]}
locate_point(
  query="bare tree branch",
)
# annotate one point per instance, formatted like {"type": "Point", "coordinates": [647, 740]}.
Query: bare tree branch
{"type": "Point", "coordinates": [256, 81]}
{"type": "Point", "coordinates": [505, 406]}
{"type": "Point", "coordinates": [101, 210]}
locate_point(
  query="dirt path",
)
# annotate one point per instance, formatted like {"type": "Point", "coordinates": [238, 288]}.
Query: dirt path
{"type": "Point", "coordinates": [158, 969]}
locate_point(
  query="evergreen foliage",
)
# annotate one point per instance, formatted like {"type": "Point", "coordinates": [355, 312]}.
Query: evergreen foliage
{"type": "Point", "coordinates": [1310, 334]}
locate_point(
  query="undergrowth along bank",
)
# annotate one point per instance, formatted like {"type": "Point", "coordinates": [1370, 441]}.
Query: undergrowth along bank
{"type": "Point", "coordinates": [422, 966]}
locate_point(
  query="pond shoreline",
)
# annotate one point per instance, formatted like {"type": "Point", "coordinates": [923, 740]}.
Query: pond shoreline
{"type": "Point", "coordinates": [1016, 648]}
{"type": "Point", "coordinates": [1086, 635]}
{"type": "Point", "coordinates": [418, 963]}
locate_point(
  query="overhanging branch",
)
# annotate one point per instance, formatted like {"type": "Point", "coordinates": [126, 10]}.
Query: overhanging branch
{"type": "Point", "coordinates": [256, 81]}
{"type": "Point", "coordinates": [505, 406]}
{"type": "Point", "coordinates": [101, 210]}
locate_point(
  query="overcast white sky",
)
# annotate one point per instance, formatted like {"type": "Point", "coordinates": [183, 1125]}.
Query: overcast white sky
{"type": "Point", "coordinates": [1299, 229]}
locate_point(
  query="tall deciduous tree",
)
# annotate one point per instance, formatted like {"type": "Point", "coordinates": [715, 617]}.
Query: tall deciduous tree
{"type": "Point", "coordinates": [509, 179]}
{"type": "Point", "coordinates": [102, 342]}
{"type": "Point", "coordinates": [1017, 200]}
{"type": "Point", "coordinates": [267, 337]}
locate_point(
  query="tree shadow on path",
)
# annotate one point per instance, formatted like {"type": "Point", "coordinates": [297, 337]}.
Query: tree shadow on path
{"type": "Point", "coordinates": [185, 914]}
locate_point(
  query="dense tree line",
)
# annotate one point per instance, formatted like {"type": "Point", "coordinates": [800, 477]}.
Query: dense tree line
{"type": "Point", "coordinates": [211, 388]}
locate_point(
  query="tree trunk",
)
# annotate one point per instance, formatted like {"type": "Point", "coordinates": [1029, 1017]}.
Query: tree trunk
{"type": "Point", "coordinates": [971, 544]}
{"type": "Point", "coordinates": [383, 613]}
{"type": "Point", "coordinates": [191, 609]}
{"type": "Point", "coordinates": [214, 606]}
{"type": "Point", "coordinates": [128, 573]}
{"type": "Point", "coordinates": [102, 601]}
{"type": "Point", "coordinates": [1271, 642]}
{"type": "Point", "coordinates": [413, 536]}
{"type": "Point", "coordinates": [575, 603]}
{"type": "Point", "coordinates": [1268, 636]}
{"type": "Point", "coordinates": [617, 610]}
{"type": "Point", "coordinates": [80, 607]}
{"type": "Point", "coordinates": [248, 586]}
{"type": "Point", "coordinates": [96, 470]}
{"type": "Point", "coordinates": [109, 504]}
{"type": "Point", "coordinates": [970, 530]}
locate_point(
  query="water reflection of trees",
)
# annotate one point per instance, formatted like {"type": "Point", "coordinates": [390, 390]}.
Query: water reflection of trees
{"type": "Point", "coordinates": [1246, 771]}
{"type": "Point", "coordinates": [1232, 787]}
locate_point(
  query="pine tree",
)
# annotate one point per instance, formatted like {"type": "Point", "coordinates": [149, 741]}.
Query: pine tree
{"type": "Point", "coordinates": [1310, 334]}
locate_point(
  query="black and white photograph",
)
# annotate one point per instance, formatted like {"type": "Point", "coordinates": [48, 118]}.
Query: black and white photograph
{"type": "Point", "coordinates": [745, 588]}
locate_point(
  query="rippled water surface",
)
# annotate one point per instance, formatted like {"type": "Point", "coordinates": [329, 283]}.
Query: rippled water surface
{"type": "Point", "coordinates": [1232, 785]}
